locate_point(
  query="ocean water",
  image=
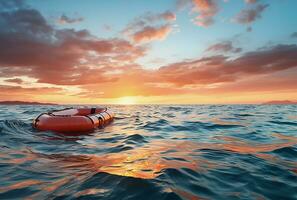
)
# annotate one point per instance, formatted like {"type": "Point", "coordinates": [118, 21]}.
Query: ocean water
{"type": "Point", "coordinates": [154, 152]}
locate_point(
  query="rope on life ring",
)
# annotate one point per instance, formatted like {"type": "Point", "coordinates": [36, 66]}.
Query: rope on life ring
{"type": "Point", "coordinates": [36, 119]}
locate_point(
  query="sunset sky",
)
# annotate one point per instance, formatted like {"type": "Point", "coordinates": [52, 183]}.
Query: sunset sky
{"type": "Point", "coordinates": [157, 51]}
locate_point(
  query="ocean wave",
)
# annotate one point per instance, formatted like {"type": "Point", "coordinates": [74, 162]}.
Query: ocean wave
{"type": "Point", "coordinates": [153, 152]}
{"type": "Point", "coordinates": [284, 123]}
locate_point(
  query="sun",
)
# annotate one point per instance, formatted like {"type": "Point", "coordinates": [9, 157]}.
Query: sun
{"type": "Point", "coordinates": [126, 100]}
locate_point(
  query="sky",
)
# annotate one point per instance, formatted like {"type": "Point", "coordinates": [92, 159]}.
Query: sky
{"type": "Point", "coordinates": [148, 52]}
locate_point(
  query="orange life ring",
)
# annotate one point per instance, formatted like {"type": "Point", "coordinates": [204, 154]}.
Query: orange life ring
{"type": "Point", "coordinates": [73, 119]}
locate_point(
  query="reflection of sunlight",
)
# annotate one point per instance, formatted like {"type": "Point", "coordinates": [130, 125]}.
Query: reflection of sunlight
{"type": "Point", "coordinates": [19, 185]}
{"type": "Point", "coordinates": [126, 100]}
{"type": "Point", "coordinates": [144, 162]}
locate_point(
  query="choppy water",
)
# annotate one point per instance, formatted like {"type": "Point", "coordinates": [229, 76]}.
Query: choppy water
{"type": "Point", "coordinates": [154, 152]}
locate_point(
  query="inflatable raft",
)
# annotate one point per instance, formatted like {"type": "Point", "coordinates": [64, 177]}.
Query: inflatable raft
{"type": "Point", "coordinates": [73, 119]}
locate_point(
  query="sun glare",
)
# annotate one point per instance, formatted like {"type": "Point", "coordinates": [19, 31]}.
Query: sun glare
{"type": "Point", "coordinates": [126, 100]}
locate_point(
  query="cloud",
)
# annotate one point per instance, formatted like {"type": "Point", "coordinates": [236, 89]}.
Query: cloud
{"type": "Point", "coordinates": [7, 88]}
{"type": "Point", "coordinates": [225, 46]}
{"type": "Point", "coordinates": [263, 83]}
{"type": "Point", "coordinates": [220, 69]}
{"type": "Point", "coordinates": [148, 19]}
{"type": "Point", "coordinates": [206, 9]}
{"type": "Point", "coordinates": [31, 47]}
{"type": "Point", "coordinates": [249, 15]}
{"type": "Point", "coordinates": [250, 1]}
{"type": "Point", "coordinates": [23, 93]}
{"type": "Point", "coordinates": [151, 17]}
{"type": "Point", "coordinates": [150, 27]}
{"type": "Point", "coordinates": [63, 19]}
{"type": "Point", "coordinates": [207, 75]}
{"type": "Point", "coordinates": [14, 80]}
{"type": "Point", "coordinates": [12, 4]}
{"type": "Point", "coordinates": [294, 35]}
{"type": "Point", "coordinates": [149, 33]}
{"type": "Point", "coordinates": [249, 29]}
{"type": "Point", "coordinates": [168, 16]}
{"type": "Point", "coordinates": [181, 4]}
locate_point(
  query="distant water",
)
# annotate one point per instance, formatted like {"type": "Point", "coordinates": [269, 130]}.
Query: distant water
{"type": "Point", "coordinates": [154, 152]}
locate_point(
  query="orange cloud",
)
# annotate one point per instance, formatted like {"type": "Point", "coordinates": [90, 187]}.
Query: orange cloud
{"type": "Point", "coordinates": [264, 83]}
{"type": "Point", "coordinates": [21, 93]}
{"type": "Point", "coordinates": [149, 33]}
{"type": "Point", "coordinates": [147, 28]}
{"type": "Point", "coordinates": [30, 90]}
{"type": "Point", "coordinates": [207, 9]}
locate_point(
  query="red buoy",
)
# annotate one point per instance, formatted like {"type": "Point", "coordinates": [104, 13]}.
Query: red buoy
{"type": "Point", "coordinates": [73, 119]}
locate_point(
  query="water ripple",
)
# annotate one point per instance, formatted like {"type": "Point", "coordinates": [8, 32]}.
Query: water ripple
{"type": "Point", "coordinates": [154, 152]}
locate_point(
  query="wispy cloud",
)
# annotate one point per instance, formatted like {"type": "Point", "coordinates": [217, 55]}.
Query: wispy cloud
{"type": "Point", "coordinates": [249, 15]}
{"type": "Point", "coordinates": [21, 93]}
{"type": "Point", "coordinates": [14, 80]}
{"type": "Point", "coordinates": [250, 1]}
{"type": "Point", "coordinates": [224, 47]}
{"type": "Point", "coordinates": [294, 35]}
{"type": "Point", "coordinates": [149, 33]}
{"type": "Point", "coordinates": [206, 9]}
{"type": "Point", "coordinates": [63, 19]}
{"type": "Point", "coordinates": [150, 27]}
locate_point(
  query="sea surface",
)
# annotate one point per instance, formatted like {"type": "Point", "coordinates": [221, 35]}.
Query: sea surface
{"type": "Point", "coordinates": [154, 152]}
